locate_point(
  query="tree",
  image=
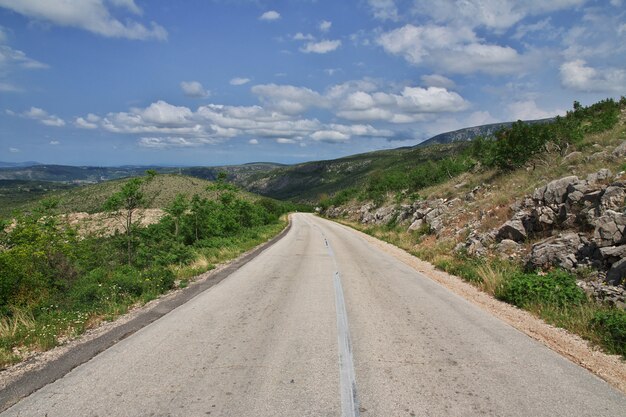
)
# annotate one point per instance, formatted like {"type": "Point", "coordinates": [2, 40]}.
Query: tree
{"type": "Point", "coordinates": [123, 204]}
{"type": "Point", "coordinates": [176, 209]}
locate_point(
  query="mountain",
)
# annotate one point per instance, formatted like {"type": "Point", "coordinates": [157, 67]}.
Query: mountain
{"type": "Point", "coordinates": [470, 133]}
{"type": "Point", "coordinates": [18, 164]}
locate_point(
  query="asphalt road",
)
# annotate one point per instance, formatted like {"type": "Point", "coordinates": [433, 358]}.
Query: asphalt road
{"type": "Point", "coordinates": [324, 324]}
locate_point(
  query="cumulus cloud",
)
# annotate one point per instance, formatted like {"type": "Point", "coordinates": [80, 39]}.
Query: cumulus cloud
{"type": "Point", "coordinates": [321, 47]}
{"type": "Point", "coordinates": [578, 75]}
{"type": "Point", "coordinates": [88, 122]}
{"type": "Point", "coordinates": [413, 104]}
{"type": "Point", "coordinates": [493, 14]}
{"type": "Point", "coordinates": [194, 89]}
{"type": "Point", "coordinates": [93, 16]}
{"type": "Point", "coordinates": [285, 141]}
{"type": "Point", "coordinates": [288, 99]}
{"type": "Point", "coordinates": [384, 9]}
{"type": "Point", "coordinates": [40, 115]}
{"type": "Point", "coordinates": [14, 150]}
{"type": "Point", "coordinates": [54, 142]}
{"type": "Point", "coordinates": [253, 141]}
{"type": "Point", "coordinates": [239, 81]}
{"type": "Point", "coordinates": [455, 50]}
{"type": "Point", "coordinates": [302, 37]}
{"type": "Point", "coordinates": [13, 58]}
{"type": "Point", "coordinates": [325, 25]}
{"type": "Point", "coordinates": [270, 15]}
{"type": "Point", "coordinates": [528, 110]}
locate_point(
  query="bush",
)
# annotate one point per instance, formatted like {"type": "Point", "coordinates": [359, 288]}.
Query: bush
{"type": "Point", "coordinates": [557, 288]}
{"type": "Point", "coordinates": [611, 326]}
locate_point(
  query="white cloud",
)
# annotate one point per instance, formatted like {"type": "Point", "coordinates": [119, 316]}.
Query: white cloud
{"type": "Point", "coordinates": [42, 116]}
{"type": "Point", "coordinates": [13, 58]}
{"type": "Point", "coordinates": [579, 76]}
{"type": "Point", "coordinates": [239, 81]}
{"type": "Point", "coordinates": [285, 141]}
{"type": "Point", "coordinates": [288, 99]}
{"type": "Point", "coordinates": [14, 150]}
{"type": "Point", "coordinates": [270, 15]}
{"type": "Point", "coordinates": [436, 80]}
{"type": "Point", "coordinates": [9, 88]}
{"type": "Point", "coordinates": [528, 110]}
{"type": "Point", "coordinates": [384, 9]}
{"type": "Point", "coordinates": [54, 142]}
{"type": "Point", "coordinates": [321, 47]}
{"type": "Point", "coordinates": [302, 37]}
{"type": "Point", "coordinates": [493, 14]}
{"type": "Point", "coordinates": [329, 136]}
{"type": "Point", "coordinates": [171, 142]}
{"type": "Point", "coordinates": [92, 15]}
{"type": "Point", "coordinates": [88, 122]}
{"type": "Point", "coordinates": [194, 89]}
{"type": "Point", "coordinates": [454, 50]}
{"type": "Point", "coordinates": [325, 25]}
{"type": "Point", "coordinates": [253, 141]}
{"type": "Point", "coordinates": [413, 104]}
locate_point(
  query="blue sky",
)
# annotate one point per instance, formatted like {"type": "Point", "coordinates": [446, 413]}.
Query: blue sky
{"type": "Point", "coordinates": [211, 82]}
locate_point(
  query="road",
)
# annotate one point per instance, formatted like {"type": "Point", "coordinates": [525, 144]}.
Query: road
{"type": "Point", "coordinates": [324, 324]}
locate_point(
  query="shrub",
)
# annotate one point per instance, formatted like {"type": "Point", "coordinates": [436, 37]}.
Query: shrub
{"type": "Point", "coordinates": [611, 326]}
{"type": "Point", "coordinates": [557, 288]}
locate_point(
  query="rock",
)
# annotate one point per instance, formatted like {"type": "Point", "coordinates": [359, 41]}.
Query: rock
{"type": "Point", "coordinates": [617, 273]}
{"type": "Point", "coordinates": [561, 251]}
{"type": "Point", "coordinates": [556, 191]}
{"type": "Point", "coordinates": [613, 198]}
{"type": "Point", "coordinates": [598, 155]}
{"type": "Point", "coordinates": [601, 175]}
{"type": "Point", "coordinates": [613, 252]}
{"type": "Point", "coordinates": [508, 247]}
{"type": "Point", "coordinates": [610, 229]}
{"type": "Point", "coordinates": [513, 230]}
{"type": "Point", "coordinates": [620, 150]}
{"type": "Point", "coordinates": [417, 224]}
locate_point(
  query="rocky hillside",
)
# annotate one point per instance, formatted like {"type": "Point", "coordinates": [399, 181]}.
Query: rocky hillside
{"type": "Point", "coordinates": [564, 210]}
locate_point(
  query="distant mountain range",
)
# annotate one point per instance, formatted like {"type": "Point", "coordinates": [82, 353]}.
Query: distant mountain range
{"type": "Point", "coordinates": [18, 164]}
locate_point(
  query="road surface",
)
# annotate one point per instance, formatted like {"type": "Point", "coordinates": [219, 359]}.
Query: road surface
{"type": "Point", "coordinates": [324, 324]}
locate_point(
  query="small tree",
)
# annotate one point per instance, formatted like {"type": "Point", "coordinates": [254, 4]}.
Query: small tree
{"type": "Point", "coordinates": [176, 209]}
{"type": "Point", "coordinates": [123, 204]}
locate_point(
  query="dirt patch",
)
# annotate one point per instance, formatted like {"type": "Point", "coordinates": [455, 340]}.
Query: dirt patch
{"type": "Point", "coordinates": [611, 368]}
{"type": "Point", "coordinates": [106, 224]}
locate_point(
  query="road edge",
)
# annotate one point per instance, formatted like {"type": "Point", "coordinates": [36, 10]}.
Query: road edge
{"type": "Point", "coordinates": [35, 379]}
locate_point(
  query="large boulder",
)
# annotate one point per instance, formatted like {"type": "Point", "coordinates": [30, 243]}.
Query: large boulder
{"type": "Point", "coordinates": [617, 273]}
{"type": "Point", "coordinates": [613, 197]}
{"type": "Point", "coordinates": [620, 150]}
{"type": "Point", "coordinates": [560, 251]}
{"type": "Point", "coordinates": [610, 229]}
{"type": "Point", "coordinates": [513, 230]}
{"type": "Point", "coordinates": [602, 175]}
{"type": "Point", "coordinates": [555, 191]}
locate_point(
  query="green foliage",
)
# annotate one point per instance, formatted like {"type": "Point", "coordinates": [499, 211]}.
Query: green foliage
{"type": "Point", "coordinates": [611, 326]}
{"type": "Point", "coordinates": [514, 146]}
{"type": "Point", "coordinates": [556, 288]}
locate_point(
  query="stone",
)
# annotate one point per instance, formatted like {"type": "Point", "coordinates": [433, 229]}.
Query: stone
{"type": "Point", "coordinates": [417, 224]}
{"type": "Point", "coordinates": [513, 230]}
{"type": "Point", "coordinates": [561, 251]}
{"type": "Point", "coordinates": [620, 150]}
{"type": "Point", "coordinates": [556, 191]}
{"type": "Point", "coordinates": [598, 155]}
{"type": "Point", "coordinates": [610, 229]}
{"type": "Point", "coordinates": [508, 246]}
{"type": "Point", "coordinates": [617, 273]}
{"type": "Point", "coordinates": [613, 252]}
{"type": "Point", "coordinates": [572, 156]}
{"type": "Point", "coordinates": [602, 175]}
{"type": "Point", "coordinates": [613, 198]}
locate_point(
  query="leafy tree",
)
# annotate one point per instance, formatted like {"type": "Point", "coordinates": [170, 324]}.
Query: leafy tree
{"type": "Point", "coordinates": [176, 209]}
{"type": "Point", "coordinates": [124, 204]}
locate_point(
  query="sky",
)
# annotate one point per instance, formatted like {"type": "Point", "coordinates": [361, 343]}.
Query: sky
{"type": "Point", "coordinates": [216, 82]}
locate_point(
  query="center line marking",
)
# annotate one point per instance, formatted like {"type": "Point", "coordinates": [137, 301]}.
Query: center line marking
{"type": "Point", "coordinates": [349, 401]}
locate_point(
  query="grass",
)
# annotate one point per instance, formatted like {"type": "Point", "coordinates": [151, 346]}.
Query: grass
{"type": "Point", "coordinates": [23, 333]}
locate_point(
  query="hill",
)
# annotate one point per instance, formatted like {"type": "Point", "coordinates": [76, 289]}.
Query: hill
{"type": "Point", "coordinates": [90, 198]}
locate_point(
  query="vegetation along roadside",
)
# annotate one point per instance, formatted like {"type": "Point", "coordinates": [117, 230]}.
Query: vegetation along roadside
{"type": "Point", "coordinates": [57, 280]}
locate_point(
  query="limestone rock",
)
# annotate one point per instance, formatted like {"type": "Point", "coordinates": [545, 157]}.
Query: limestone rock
{"type": "Point", "coordinates": [617, 273]}
{"type": "Point", "coordinates": [610, 229]}
{"type": "Point", "coordinates": [620, 150]}
{"type": "Point", "coordinates": [561, 251]}
{"type": "Point", "coordinates": [513, 230]}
